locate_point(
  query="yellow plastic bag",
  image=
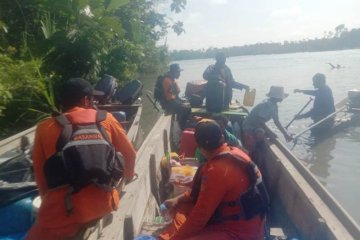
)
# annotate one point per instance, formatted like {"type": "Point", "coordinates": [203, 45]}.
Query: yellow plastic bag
{"type": "Point", "coordinates": [181, 178]}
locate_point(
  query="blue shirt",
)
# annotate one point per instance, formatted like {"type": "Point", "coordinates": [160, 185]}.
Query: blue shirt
{"type": "Point", "coordinates": [260, 114]}
{"type": "Point", "coordinates": [323, 103]}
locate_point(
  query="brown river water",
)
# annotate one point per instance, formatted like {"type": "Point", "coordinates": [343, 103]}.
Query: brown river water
{"type": "Point", "coordinates": [335, 161]}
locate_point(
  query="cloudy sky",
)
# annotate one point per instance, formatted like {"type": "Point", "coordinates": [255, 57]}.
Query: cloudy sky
{"type": "Point", "coordinates": [224, 23]}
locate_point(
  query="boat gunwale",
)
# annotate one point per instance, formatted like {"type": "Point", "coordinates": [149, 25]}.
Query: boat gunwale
{"type": "Point", "coordinates": [345, 219]}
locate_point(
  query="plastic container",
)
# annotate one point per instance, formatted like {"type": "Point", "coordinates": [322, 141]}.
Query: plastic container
{"type": "Point", "coordinates": [16, 218]}
{"type": "Point", "coordinates": [249, 98]}
{"type": "Point", "coordinates": [188, 143]}
{"type": "Point", "coordinates": [215, 96]}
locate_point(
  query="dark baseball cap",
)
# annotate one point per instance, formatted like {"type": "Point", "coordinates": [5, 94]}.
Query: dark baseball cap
{"type": "Point", "coordinates": [175, 67]}
{"type": "Point", "coordinates": [208, 135]}
{"type": "Point", "coordinates": [75, 89]}
{"type": "Point", "coordinates": [79, 87]}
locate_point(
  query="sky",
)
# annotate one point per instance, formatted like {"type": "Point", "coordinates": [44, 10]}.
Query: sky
{"type": "Point", "coordinates": [225, 23]}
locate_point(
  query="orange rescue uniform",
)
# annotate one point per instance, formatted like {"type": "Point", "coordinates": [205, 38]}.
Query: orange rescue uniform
{"type": "Point", "coordinates": [221, 180]}
{"type": "Point", "coordinates": [91, 202]}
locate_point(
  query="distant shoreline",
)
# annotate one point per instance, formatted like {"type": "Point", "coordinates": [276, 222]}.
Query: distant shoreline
{"type": "Point", "coordinates": [347, 40]}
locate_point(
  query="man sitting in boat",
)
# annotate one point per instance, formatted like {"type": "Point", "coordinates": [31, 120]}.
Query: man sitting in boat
{"type": "Point", "coordinates": [172, 103]}
{"type": "Point", "coordinates": [230, 139]}
{"type": "Point", "coordinates": [221, 72]}
{"type": "Point", "coordinates": [252, 127]}
{"type": "Point", "coordinates": [63, 213]}
{"type": "Point", "coordinates": [323, 102]}
{"type": "Point", "coordinates": [212, 210]}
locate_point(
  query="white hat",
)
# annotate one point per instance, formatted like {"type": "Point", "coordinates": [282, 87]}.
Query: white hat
{"type": "Point", "coordinates": [277, 92]}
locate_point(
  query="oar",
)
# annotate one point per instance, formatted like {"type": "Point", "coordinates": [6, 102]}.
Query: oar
{"type": "Point", "coordinates": [152, 101]}
{"type": "Point", "coordinates": [317, 123]}
{"type": "Point", "coordinates": [301, 110]}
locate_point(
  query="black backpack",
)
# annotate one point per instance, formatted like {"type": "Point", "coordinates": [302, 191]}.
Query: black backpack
{"type": "Point", "coordinates": [84, 155]}
{"type": "Point", "coordinates": [158, 90]}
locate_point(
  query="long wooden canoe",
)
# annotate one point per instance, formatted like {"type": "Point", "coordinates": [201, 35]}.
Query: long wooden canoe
{"type": "Point", "coordinates": [301, 207]}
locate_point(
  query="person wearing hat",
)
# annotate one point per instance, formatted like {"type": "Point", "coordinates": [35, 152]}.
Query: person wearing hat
{"type": "Point", "coordinates": [172, 103]}
{"type": "Point", "coordinates": [252, 128]}
{"type": "Point", "coordinates": [323, 102]}
{"type": "Point", "coordinates": [221, 72]}
{"type": "Point", "coordinates": [91, 202]}
{"type": "Point", "coordinates": [203, 213]}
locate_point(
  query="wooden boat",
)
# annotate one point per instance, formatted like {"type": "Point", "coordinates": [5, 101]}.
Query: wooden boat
{"type": "Point", "coordinates": [301, 207]}
{"type": "Point", "coordinates": [345, 116]}
{"type": "Point", "coordinates": [19, 183]}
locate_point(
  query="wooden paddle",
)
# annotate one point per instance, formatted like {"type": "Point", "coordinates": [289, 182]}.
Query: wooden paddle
{"type": "Point", "coordinates": [317, 123]}
{"type": "Point", "coordinates": [152, 101]}
{"type": "Point", "coordinates": [301, 110]}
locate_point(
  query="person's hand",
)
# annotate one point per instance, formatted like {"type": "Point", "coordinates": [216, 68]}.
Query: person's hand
{"type": "Point", "coordinates": [171, 203]}
{"type": "Point", "coordinates": [297, 91]}
{"type": "Point", "coordinates": [288, 137]}
{"type": "Point", "coordinates": [247, 88]}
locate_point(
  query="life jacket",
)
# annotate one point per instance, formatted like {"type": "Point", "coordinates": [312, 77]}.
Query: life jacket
{"type": "Point", "coordinates": [255, 201]}
{"type": "Point", "coordinates": [84, 155]}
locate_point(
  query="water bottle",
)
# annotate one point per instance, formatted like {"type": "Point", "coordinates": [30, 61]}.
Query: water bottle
{"type": "Point", "coordinates": [165, 213]}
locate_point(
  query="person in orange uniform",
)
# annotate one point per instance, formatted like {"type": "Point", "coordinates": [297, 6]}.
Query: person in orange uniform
{"type": "Point", "coordinates": [219, 180]}
{"type": "Point", "coordinates": [91, 202]}
{"type": "Point", "coordinates": [173, 103]}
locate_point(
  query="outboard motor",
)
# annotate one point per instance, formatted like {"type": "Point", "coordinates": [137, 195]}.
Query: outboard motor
{"type": "Point", "coordinates": [354, 98]}
{"type": "Point", "coordinates": [130, 92]}
{"type": "Point", "coordinates": [108, 85]}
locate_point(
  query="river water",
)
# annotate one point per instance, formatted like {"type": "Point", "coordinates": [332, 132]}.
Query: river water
{"type": "Point", "coordinates": [335, 161]}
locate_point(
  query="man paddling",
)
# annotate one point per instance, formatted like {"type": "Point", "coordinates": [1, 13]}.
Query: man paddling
{"type": "Point", "coordinates": [323, 103]}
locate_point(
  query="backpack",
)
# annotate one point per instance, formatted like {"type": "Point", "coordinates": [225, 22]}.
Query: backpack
{"type": "Point", "coordinates": [158, 90]}
{"type": "Point", "coordinates": [84, 155]}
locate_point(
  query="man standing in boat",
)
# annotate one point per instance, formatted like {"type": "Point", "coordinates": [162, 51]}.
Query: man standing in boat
{"type": "Point", "coordinates": [217, 207]}
{"type": "Point", "coordinates": [220, 72]}
{"type": "Point", "coordinates": [172, 103]}
{"type": "Point", "coordinates": [63, 213]}
{"type": "Point", "coordinates": [323, 103]}
{"type": "Point", "coordinates": [252, 129]}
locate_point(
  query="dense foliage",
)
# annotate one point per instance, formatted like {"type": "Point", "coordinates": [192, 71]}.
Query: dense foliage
{"type": "Point", "coordinates": [43, 43]}
{"type": "Point", "coordinates": [340, 39]}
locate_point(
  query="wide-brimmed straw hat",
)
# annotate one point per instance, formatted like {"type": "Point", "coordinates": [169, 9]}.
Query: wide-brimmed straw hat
{"type": "Point", "coordinates": [277, 92]}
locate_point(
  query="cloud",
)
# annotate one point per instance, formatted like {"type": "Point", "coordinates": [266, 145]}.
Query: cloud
{"type": "Point", "coordinates": [288, 12]}
{"type": "Point", "coordinates": [218, 2]}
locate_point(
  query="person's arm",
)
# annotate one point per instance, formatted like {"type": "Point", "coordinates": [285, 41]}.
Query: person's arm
{"type": "Point", "coordinates": [207, 75]}
{"type": "Point", "coordinates": [240, 86]}
{"type": "Point", "coordinates": [281, 128]}
{"type": "Point", "coordinates": [210, 196]}
{"type": "Point", "coordinates": [307, 92]}
{"type": "Point", "coordinates": [122, 144]}
{"type": "Point", "coordinates": [38, 157]}
{"type": "Point", "coordinates": [235, 84]}
{"type": "Point", "coordinates": [173, 202]}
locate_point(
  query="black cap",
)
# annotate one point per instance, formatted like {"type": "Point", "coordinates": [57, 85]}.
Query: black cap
{"type": "Point", "coordinates": [175, 67]}
{"type": "Point", "coordinates": [76, 88]}
{"type": "Point", "coordinates": [208, 135]}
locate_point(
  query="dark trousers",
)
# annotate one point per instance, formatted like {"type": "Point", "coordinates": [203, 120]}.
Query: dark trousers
{"type": "Point", "coordinates": [177, 107]}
